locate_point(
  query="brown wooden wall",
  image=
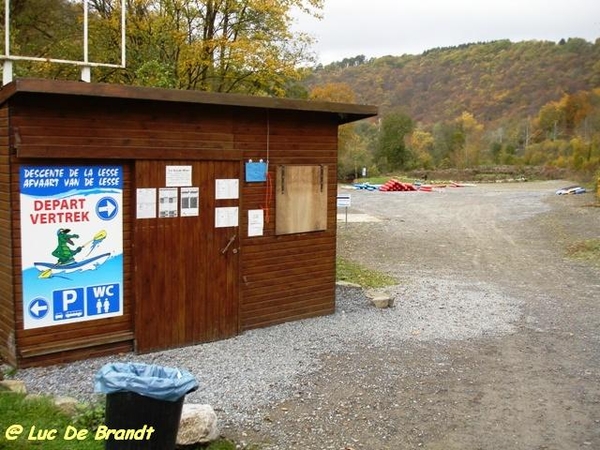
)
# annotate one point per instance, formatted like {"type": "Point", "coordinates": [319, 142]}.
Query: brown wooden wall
{"type": "Point", "coordinates": [7, 310]}
{"type": "Point", "coordinates": [282, 278]}
{"type": "Point", "coordinates": [64, 128]}
{"type": "Point", "coordinates": [287, 277]}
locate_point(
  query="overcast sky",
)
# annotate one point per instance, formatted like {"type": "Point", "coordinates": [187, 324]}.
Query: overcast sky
{"type": "Point", "coordinates": [395, 27]}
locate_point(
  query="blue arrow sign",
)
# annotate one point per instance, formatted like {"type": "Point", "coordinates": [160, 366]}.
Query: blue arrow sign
{"type": "Point", "coordinates": [107, 208]}
{"type": "Point", "coordinates": [38, 308]}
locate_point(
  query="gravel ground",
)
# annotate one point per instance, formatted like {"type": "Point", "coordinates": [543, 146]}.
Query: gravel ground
{"type": "Point", "coordinates": [492, 342]}
{"type": "Point", "coordinates": [241, 376]}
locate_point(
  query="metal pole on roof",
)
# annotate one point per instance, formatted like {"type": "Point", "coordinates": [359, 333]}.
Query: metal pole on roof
{"type": "Point", "coordinates": [7, 67]}
{"type": "Point", "coordinates": [86, 71]}
{"type": "Point", "coordinates": [6, 27]}
{"type": "Point", "coordinates": [123, 34]}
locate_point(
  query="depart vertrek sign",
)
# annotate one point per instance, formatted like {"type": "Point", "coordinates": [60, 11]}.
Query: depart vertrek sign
{"type": "Point", "coordinates": [71, 243]}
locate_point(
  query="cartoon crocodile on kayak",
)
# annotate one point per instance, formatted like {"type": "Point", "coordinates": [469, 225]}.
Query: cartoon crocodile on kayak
{"type": "Point", "coordinates": [66, 255]}
{"type": "Point", "coordinates": [63, 252]}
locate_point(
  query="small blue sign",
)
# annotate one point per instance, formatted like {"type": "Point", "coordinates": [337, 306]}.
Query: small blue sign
{"type": "Point", "coordinates": [103, 299]}
{"type": "Point", "coordinates": [256, 172]}
{"type": "Point", "coordinates": [38, 308]}
{"type": "Point", "coordinates": [68, 304]}
{"type": "Point", "coordinates": [107, 208]}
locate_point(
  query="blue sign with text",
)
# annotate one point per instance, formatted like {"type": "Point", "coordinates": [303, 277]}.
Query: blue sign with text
{"type": "Point", "coordinates": [103, 299]}
{"type": "Point", "coordinates": [68, 303]}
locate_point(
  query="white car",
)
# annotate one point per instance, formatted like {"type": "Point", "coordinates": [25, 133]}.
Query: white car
{"type": "Point", "coordinates": [571, 190]}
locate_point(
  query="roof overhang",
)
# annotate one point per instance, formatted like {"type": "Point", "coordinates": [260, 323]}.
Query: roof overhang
{"type": "Point", "coordinates": [345, 112]}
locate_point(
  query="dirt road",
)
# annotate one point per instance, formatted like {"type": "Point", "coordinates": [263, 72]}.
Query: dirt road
{"type": "Point", "coordinates": [534, 385]}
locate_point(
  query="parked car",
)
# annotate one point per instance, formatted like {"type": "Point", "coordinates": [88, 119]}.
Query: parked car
{"type": "Point", "coordinates": [571, 190]}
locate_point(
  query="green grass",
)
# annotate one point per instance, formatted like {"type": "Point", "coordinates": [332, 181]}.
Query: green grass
{"type": "Point", "coordinates": [355, 273]}
{"type": "Point", "coordinates": [374, 180]}
{"type": "Point", "coordinates": [588, 250]}
{"type": "Point", "coordinates": [38, 417]}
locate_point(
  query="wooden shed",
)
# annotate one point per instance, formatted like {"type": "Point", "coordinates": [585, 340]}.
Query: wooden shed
{"type": "Point", "coordinates": [144, 219]}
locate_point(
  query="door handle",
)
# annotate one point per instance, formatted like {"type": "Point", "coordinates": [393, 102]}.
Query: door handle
{"type": "Point", "coordinates": [228, 244]}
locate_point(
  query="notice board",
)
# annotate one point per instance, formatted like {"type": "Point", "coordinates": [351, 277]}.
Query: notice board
{"type": "Point", "coordinates": [301, 199]}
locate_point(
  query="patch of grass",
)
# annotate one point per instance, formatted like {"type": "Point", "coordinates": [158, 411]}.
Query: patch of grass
{"type": "Point", "coordinates": [373, 180]}
{"type": "Point", "coordinates": [9, 372]}
{"type": "Point", "coordinates": [35, 416]}
{"type": "Point", "coordinates": [90, 416]}
{"type": "Point", "coordinates": [355, 273]}
{"type": "Point", "coordinates": [588, 250]}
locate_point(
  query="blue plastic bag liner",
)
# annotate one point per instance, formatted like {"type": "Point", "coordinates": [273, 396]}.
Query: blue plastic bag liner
{"type": "Point", "coordinates": [149, 380]}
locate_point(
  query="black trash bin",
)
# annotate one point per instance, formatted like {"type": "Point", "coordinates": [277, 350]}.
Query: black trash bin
{"type": "Point", "coordinates": [143, 405]}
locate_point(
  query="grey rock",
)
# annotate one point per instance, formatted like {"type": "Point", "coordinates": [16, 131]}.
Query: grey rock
{"type": "Point", "coordinates": [198, 425]}
{"type": "Point", "coordinates": [14, 386]}
{"type": "Point", "coordinates": [68, 405]}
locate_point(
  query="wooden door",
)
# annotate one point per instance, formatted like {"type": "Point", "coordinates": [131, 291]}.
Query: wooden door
{"type": "Point", "coordinates": [186, 263]}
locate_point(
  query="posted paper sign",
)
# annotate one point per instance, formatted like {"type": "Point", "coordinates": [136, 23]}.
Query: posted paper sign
{"type": "Point", "coordinates": [167, 202]}
{"type": "Point", "coordinates": [256, 222]}
{"type": "Point", "coordinates": [228, 188]}
{"type": "Point", "coordinates": [71, 243]}
{"type": "Point", "coordinates": [146, 203]}
{"type": "Point", "coordinates": [190, 198]}
{"type": "Point", "coordinates": [226, 217]}
{"type": "Point", "coordinates": [178, 176]}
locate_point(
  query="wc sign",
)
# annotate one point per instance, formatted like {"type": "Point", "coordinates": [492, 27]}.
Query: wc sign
{"type": "Point", "coordinates": [104, 299]}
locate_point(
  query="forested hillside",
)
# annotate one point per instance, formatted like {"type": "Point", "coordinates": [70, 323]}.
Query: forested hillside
{"type": "Point", "coordinates": [493, 81]}
{"type": "Point", "coordinates": [530, 103]}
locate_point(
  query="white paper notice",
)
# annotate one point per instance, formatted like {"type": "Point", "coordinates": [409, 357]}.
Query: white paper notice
{"type": "Point", "coordinates": [256, 222]}
{"type": "Point", "coordinates": [189, 201]}
{"type": "Point", "coordinates": [227, 189]}
{"type": "Point", "coordinates": [226, 217]}
{"type": "Point", "coordinates": [178, 176]}
{"type": "Point", "coordinates": [146, 203]}
{"type": "Point", "coordinates": [167, 202]}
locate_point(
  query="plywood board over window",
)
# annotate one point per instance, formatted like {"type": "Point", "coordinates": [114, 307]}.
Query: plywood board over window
{"type": "Point", "coordinates": [301, 199]}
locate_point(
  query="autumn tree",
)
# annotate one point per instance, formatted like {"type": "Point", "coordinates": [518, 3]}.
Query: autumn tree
{"type": "Point", "coordinates": [213, 45]}
{"type": "Point", "coordinates": [246, 46]}
{"type": "Point", "coordinates": [422, 143]}
{"type": "Point", "coordinates": [448, 140]}
{"type": "Point", "coordinates": [472, 132]}
{"type": "Point", "coordinates": [392, 151]}
{"type": "Point", "coordinates": [45, 29]}
{"type": "Point", "coordinates": [352, 148]}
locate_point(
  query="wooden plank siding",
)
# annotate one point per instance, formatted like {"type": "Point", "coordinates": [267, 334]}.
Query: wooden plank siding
{"type": "Point", "coordinates": [286, 277]}
{"type": "Point", "coordinates": [7, 308]}
{"type": "Point", "coordinates": [38, 119]}
{"type": "Point", "coordinates": [77, 128]}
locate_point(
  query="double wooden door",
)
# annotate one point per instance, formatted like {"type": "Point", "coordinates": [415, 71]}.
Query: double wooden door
{"type": "Point", "coordinates": [186, 259]}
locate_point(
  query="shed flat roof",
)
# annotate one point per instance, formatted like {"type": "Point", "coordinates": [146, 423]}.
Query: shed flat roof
{"type": "Point", "coordinates": [346, 112]}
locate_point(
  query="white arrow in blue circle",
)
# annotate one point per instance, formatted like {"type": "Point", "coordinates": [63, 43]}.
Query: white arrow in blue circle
{"type": "Point", "coordinates": [106, 208]}
{"type": "Point", "coordinates": [38, 308]}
